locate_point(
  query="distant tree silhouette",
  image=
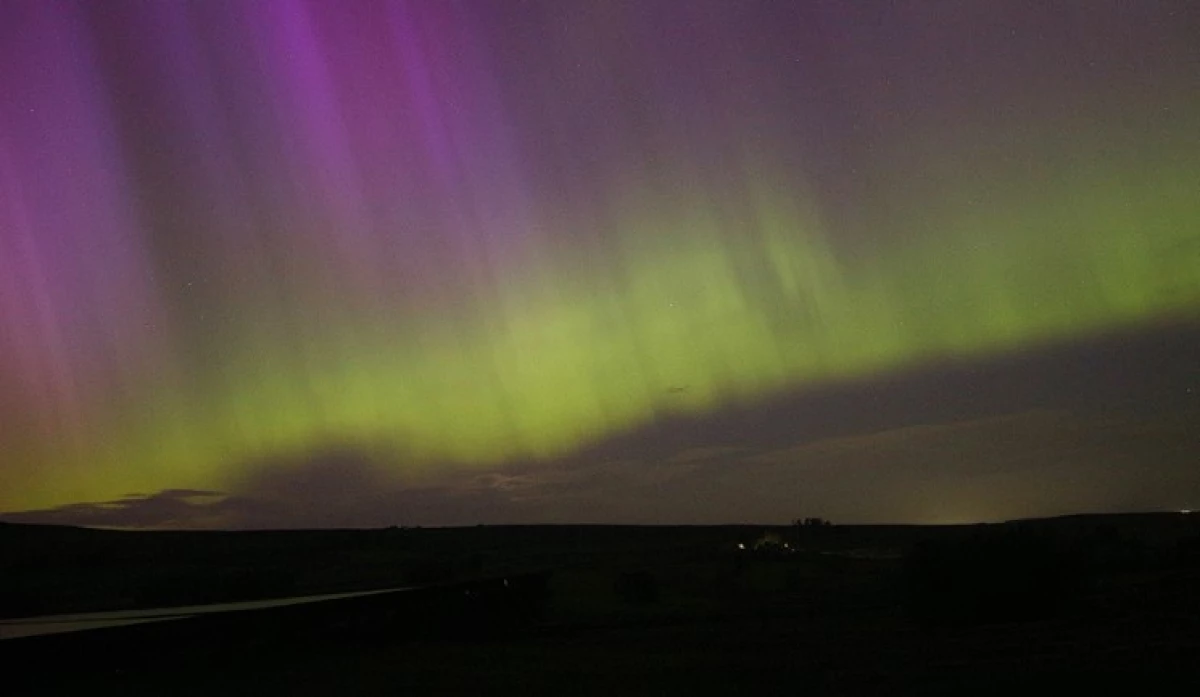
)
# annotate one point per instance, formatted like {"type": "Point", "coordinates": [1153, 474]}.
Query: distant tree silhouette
{"type": "Point", "coordinates": [804, 529]}
{"type": "Point", "coordinates": [811, 523]}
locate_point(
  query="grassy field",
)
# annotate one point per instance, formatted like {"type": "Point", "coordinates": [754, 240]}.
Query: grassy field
{"type": "Point", "coordinates": [1096, 603]}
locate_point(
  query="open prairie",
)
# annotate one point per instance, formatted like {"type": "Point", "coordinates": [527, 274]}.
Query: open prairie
{"type": "Point", "coordinates": [1084, 602]}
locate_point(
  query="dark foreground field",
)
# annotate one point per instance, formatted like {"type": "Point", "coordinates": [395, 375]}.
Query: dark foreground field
{"type": "Point", "coordinates": [1105, 604]}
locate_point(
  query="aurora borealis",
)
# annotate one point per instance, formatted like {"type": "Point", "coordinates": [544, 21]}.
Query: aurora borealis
{"type": "Point", "coordinates": [456, 238]}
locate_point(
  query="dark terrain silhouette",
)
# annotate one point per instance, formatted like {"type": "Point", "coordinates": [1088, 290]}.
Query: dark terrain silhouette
{"type": "Point", "coordinates": [1085, 602]}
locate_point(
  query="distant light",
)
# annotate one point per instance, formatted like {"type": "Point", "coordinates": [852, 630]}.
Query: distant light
{"type": "Point", "coordinates": [741, 546]}
{"type": "Point", "coordinates": [1185, 511]}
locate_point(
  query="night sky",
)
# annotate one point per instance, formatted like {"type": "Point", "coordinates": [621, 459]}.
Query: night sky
{"type": "Point", "coordinates": [277, 264]}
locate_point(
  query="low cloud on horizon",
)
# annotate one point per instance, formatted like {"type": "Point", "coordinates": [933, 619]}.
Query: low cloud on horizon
{"type": "Point", "coordinates": [1026, 464]}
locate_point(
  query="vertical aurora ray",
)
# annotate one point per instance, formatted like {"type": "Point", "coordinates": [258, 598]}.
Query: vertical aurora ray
{"type": "Point", "coordinates": [462, 233]}
{"type": "Point", "coordinates": [78, 308]}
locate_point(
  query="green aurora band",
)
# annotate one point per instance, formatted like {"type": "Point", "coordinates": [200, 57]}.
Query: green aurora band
{"type": "Point", "coordinates": [573, 350]}
{"type": "Point", "coordinates": [676, 292]}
